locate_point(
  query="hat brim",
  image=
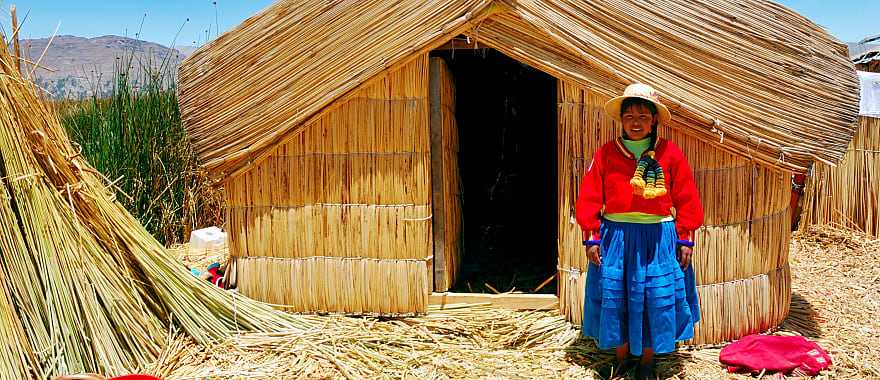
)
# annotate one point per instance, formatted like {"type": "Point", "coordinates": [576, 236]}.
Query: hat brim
{"type": "Point", "coordinates": [612, 108]}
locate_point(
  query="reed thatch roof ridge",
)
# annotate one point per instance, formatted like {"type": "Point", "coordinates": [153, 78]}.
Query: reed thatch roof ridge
{"type": "Point", "coordinates": [870, 39]}
{"type": "Point", "coordinates": [750, 76]}
{"type": "Point", "coordinates": [866, 50]}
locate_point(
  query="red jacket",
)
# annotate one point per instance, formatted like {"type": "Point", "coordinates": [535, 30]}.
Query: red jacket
{"type": "Point", "coordinates": [607, 184]}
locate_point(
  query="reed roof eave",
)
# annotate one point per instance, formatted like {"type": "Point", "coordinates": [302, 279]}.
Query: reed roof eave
{"type": "Point", "coordinates": [755, 73]}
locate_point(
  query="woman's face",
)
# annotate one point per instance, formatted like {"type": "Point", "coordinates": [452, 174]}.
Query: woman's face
{"type": "Point", "coordinates": [638, 121]}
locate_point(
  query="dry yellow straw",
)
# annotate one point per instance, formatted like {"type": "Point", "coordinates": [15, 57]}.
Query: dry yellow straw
{"type": "Point", "coordinates": [83, 281]}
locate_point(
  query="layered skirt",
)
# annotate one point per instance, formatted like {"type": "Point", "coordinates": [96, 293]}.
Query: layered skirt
{"type": "Point", "coordinates": [640, 295]}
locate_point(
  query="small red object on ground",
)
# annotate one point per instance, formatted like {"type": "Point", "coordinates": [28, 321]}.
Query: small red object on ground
{"type": "Point", "coordinates": [756, 353]}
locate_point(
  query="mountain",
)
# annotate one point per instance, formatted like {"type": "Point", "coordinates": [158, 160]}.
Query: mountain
{"type": "Point", "coordinates": [77, 67]}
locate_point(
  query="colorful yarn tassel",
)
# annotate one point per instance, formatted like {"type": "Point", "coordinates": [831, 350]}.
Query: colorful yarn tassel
{"type": "Point", "coordinates": [660, 182]}
{"type": "Point", "coordinates": [638, 181]}
{"type": "Point", "coordinates": [648, 181]}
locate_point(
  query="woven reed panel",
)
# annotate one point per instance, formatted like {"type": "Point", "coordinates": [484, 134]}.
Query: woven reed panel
{"type": "Point", "coordinates": [848, 195]}
{"type": "Point", "coordinates": [354, 184]}
{"type": "Point", "coordinates": [337, 285]}
{"type": "Point", "coordinates": [746, 229]}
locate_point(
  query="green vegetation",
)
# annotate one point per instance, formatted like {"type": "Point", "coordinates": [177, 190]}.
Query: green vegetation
{"type": "Point", "coordinates": [136, 139]}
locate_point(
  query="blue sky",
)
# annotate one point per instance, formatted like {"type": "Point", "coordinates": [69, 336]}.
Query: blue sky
{"type": "Point", "coordinates": [848, 20]}
{"type": "Point", "coordinates": [92, 18]}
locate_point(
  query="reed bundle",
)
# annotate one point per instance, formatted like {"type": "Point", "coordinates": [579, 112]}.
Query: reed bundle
{"type": "Point", "coordinates": [354, 184]}
{"type": "Point", "coordinates": [752, 71]}
{"type": "Point", "coordinates": [848, 195]}
{"type": "Point", "coordinates": [85, 286]}
{"type": "Point", "coordinates": [742, 249]}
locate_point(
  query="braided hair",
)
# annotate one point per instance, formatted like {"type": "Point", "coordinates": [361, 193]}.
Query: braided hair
{"type": "Point", "coordinates": [648, 181]}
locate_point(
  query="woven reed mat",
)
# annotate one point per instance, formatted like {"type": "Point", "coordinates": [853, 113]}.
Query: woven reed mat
{"type": "Point", "coordinates": [836, 302]}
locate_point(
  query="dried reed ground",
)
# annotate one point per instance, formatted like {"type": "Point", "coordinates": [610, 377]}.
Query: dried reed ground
{"type": "Point", "coordinates": [836, 302]}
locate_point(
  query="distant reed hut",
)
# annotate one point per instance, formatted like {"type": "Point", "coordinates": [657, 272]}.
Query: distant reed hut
{"type": "Point", "coordinates": [345, 133]}
{"type": "Point", "coordinates": [849, 195]}
{"type": "Point", "coordinates": [866, 54]}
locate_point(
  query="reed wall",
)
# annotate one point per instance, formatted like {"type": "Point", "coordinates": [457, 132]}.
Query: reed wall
{"type": "Point", "coordinates": [347, 198]}
{"type": "Point", "coordinates": [741, 253]}
{"type": "Point", "coordinates": [848, 195]}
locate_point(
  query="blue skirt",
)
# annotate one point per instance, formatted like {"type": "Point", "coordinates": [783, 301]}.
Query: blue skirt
{"type": "Point", "coordinates": [640, 295]}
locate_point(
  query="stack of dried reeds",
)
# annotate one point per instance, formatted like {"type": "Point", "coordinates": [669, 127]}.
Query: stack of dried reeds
{"type": "Point", "coordinates": [849, 195]}
{"type": "Point", "coordinates": [741, 259]}
{"type": "Point", "coordinates": [84, 286]}
{"type": "Point", "coordinates": [338, 219]}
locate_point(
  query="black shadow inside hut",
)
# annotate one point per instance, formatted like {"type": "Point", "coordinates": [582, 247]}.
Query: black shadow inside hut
{"type": "Point", "coordinates": [506, 114]}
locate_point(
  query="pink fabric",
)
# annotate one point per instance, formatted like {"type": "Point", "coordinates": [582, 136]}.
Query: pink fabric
{"type": "Point", "coordinates": [755, 353]}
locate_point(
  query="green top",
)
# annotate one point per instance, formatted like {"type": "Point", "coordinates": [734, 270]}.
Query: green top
{"type": "Point", "coordinates": [637, 147]}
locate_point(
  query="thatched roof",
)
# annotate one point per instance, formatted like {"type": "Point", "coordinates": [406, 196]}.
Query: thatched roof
{"type": "Point", "coordinates": [866, 50]}
{"type": "Point", "coordinates": [749, 76]}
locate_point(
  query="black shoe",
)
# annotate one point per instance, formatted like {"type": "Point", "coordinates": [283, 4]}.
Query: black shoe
{"type": "Point", "coordinates": [646, 372]}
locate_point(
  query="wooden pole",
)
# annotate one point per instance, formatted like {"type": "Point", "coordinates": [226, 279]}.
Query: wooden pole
{"type": "Point", "coordinates": [15, 45]}
{"type": "Point", "coordinates": [440, 278]}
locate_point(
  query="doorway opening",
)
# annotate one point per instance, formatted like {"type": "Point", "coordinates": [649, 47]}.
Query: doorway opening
{"type": "Point", "coordinates": [506, 113]}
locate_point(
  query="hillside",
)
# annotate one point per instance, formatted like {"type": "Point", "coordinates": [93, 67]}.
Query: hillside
{"type": "Point", "coordinates": [81, 66]}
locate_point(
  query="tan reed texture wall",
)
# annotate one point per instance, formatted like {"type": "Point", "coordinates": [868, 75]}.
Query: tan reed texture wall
{"type": "Point", "coordinates": [848, 195]}
{"type": "Point", "coordinates": [742, 251]}
{"type": "Point", "coordinates": [447, 233]}
{"type": "Point", "coordinates": [338, 218]}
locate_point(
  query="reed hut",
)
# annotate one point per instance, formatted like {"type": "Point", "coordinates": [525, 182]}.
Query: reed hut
{"type": "Point", "coordinates": [340, 143]}
{"type": "Point", "coordinates": [848, 195]}
{"type": "Point", "coordinates": [866, 54]}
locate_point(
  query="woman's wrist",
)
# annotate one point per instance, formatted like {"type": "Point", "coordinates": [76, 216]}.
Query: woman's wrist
{"type": "Point", "coordinates": [685, 243]}
{"type": "Point", "coordinates": [592, 238]}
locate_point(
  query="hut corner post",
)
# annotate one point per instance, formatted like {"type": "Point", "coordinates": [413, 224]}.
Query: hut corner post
{"type": "Point", "coordinates": [15, 44]}
{"type": "Point", "coordinates": [438, 220]}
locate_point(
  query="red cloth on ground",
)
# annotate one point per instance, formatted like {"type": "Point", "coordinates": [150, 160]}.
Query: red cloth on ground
{"type": "Point", "coordinates": [755, 353]}
{"type": "Point", "coordinates": [606, 184]}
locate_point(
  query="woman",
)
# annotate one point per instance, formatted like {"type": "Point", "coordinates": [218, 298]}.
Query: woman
{"type": "Point", "coordinates": [638, 207]}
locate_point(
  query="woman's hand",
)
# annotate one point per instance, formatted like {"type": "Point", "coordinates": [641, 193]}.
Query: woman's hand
{"type": "Point", "coordinates": [684, 256]}
{"type": "Point", "coordinates": [593, 255]}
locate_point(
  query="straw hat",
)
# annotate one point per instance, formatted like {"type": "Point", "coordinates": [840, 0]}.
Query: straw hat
{"type": "Point", "coordinates": [638, 90]}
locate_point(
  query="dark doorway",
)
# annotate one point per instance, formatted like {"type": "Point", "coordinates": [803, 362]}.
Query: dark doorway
{"type": "Point", "coordinates": [506, 113]}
